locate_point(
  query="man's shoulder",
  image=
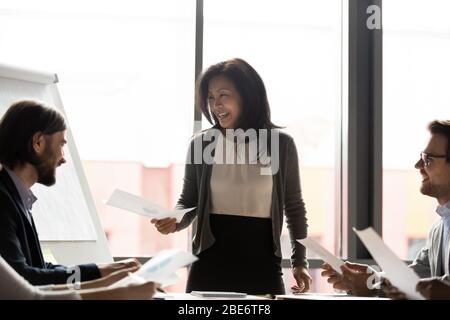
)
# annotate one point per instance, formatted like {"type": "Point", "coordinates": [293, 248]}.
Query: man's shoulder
{"type": "Point", "coordinates": [4, 192]}
{"type": "Point", "coordinates": [6, 199]}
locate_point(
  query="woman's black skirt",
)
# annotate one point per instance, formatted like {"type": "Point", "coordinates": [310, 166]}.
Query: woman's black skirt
{"type": "Point", "coordinates": [242, 258]}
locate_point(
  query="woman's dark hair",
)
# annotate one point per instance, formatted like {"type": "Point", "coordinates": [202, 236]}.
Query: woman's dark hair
{"type": "Point", "coordinates": [255, 106]}
{"type": "Point", "coordinates": [19, 124]}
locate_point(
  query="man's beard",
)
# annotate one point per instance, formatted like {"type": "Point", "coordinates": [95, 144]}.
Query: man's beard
{"type": "Point", "coordinates": [45, 167]}
{"type": "Point", "coordinates": [46, 173]}
{"type": "Point", "coordinates": [434, 191]}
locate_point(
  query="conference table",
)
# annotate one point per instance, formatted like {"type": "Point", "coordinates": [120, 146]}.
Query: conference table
{"type": "Point", "coordinates": [302, 296]}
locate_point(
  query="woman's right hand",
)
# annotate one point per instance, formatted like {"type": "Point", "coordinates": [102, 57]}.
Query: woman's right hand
{"type": "Point", "coordinates": [166, 225]}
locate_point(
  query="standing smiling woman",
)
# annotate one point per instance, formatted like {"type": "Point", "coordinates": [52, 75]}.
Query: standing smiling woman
{"type": "Point", "coordinates": [239, 211]}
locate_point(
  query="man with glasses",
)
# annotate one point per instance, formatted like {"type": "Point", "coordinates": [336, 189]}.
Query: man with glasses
{"type": "Point", "coordinates": [433, 259]}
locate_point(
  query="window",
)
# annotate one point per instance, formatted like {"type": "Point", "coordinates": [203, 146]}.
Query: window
{"type": "Point", "coordinates": [126, 71]}
{"type": "Point", "coordinates": [415, 76]}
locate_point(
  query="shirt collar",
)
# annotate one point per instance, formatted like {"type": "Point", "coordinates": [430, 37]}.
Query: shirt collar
{"type": "Point", "coordinates": [28, 198]}
{"type": "Point", "coordinates": [444, 211]}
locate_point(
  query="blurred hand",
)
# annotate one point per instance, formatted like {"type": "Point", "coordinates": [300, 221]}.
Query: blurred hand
{"type": "Point", "coordinates": [392, 292]}
{"type": "Point", "coordinates": [434, 289]}
{"type": "Point", "coordinates": [166, 225]}
{"type": "Point", "coordinates": [334, 277]}
{"type": "Point", "coordinates": [109, 279]}
{"type": "Point", "coordinates": [354, 278]}
{"type": "Point", "coordinates": [107, 268]}
{"type": "Point", "coordinates": [302, 278]}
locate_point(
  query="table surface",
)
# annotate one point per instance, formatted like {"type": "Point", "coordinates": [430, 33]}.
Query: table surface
{"type": "Point", "coordinates": [303, 296]}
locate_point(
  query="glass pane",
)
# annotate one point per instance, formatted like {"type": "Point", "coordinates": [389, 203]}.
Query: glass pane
{"type": "Point", "coordinates": [295, 47]}
{"type": "Point", "coordinates": [416, 48]}
{"type": "Point", "coordinates": [126, 71]}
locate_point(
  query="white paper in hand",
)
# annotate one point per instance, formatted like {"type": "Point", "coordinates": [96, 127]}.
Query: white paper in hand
{"type": "Point", "coordinates": [161, 268]}
{"type": "Point", "coordinates": [398, 273]}
{"type": "Point", "coordinates": [130, 202]}
{"type": "Point", "coordinates": [323, 253]}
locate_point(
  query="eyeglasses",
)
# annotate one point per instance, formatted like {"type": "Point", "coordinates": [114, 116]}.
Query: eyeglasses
{"type": "Point", "coordinates": [427, 158]}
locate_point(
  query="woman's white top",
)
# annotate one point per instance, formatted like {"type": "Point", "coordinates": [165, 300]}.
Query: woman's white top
{"type": "Point", "coordinates": [237, 185]}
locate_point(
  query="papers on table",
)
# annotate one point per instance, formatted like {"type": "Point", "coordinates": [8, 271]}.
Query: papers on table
{"type": "Point", "coordinates": [398, 273]}
{"type": "Point", "coordinates": [323, 253]}
{"type": "Point", "coordinates": [161, 268]}
{"type": "Point", "coordinates": [139, 205]}
{"type": "Point", "coordinates": [218, 294]}
{"type": "Point", "coordinates": [324, 296]}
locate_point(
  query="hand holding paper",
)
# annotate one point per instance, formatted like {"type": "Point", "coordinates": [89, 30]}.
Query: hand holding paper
{"type": "Point", "coordinates": [139, 205]}
{"type": "Point", "coordinates": [398, 273]}
{"type": "Point", "coordinates": [160, 269]}
{"type": "Point", "coordinates": [323, 253]}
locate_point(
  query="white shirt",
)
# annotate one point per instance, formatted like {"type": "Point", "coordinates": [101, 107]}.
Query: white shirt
{"type": "Point", "coordinates": [444, 212]}
{"type": "Point", "coordinates": [237, 185]}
